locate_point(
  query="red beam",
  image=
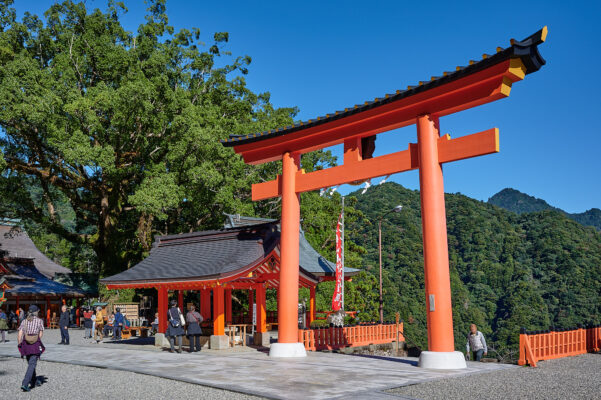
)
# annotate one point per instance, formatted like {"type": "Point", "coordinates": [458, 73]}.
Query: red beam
{"type": "Point", "coordinates": [477, 144]}
{"type": "Point", "coordinates": [485, 86]}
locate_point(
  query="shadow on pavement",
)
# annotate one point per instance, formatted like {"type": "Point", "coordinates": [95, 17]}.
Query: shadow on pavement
{"type": "Point", "coordinates": [140, 341]}
{"type": "Point", "coordinates": [399, 360]}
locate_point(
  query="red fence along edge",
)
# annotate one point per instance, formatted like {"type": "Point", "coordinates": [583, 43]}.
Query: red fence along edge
{"type": "Point", "coordinates": [548, 345]}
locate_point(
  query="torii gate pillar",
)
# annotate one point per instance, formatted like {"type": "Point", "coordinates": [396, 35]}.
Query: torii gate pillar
{"type": "Point", "coordinates": [441, 343]}
{"type": "Point", "coordinates": [288, 344]}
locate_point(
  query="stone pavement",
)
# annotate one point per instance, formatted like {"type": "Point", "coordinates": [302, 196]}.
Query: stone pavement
{"type": "Point", "coordinates": [318, 376]}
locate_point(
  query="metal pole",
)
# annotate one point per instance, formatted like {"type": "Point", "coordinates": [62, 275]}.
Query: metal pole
{"type": "Point", "coordinates": [381, 307]}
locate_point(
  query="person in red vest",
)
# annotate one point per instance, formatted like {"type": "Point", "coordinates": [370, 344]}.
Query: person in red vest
{"type": "Point", "coordinates": [87, 322]}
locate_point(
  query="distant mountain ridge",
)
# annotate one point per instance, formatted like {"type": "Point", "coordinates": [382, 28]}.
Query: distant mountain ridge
{"type": "Point", "coordinates": [520, 203]}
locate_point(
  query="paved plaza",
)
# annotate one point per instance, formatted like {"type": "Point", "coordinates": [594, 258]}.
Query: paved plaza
{"type": "Point", "coordinates": [318, 376]}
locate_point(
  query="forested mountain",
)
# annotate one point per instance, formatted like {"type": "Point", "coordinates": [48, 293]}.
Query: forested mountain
{"type": "Point", "coordinates": [533, 270]}
{"type": "Point", "coordinates": [518, 202]}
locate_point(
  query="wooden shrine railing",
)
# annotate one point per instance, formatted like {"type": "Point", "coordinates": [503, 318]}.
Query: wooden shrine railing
{"type": "Point", "coordinates": [546, 345]}
{"type": "Point", "coordinates": [350, 336]}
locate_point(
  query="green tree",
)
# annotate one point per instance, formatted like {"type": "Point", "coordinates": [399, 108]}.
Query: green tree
{"type": "Point", "coordinates": [125, 126]}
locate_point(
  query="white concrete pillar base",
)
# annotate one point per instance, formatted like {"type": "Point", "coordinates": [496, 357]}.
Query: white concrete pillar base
{"type": "Point", "coordinates": [219, 342]}
{"type": "Point", "coordinates": [287, 350]}
{"type": "Point", "coordinates": [442, 360]}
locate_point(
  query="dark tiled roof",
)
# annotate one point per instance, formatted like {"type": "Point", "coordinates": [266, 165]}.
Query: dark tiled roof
{"type": "Point", "coordinates": [14, 242]}
{"type": "Point", "coordinates": [27, 280]}
{"type": "Point", "coordinates": [309, 259]}
{"type": "Point", "coordinates": [211, 254]}
{"type": "Point", "coordinates": [202, 255]}
{"type": "Point", "coordinates": [526, 50]}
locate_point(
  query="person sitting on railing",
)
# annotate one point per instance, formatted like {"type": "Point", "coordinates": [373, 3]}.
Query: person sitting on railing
{"type": "Point", "coordinates": [476, 343]}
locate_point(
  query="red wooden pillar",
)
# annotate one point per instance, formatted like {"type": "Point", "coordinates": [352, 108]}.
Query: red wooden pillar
{"type": "Point", "coordinates": [205, 303]}
{"type": "Point", "coordinates": [17, 305]}
{"type": "Point", "coordinates": [78, 312]}
{"type": "Point", "coordinates": [218, 311]}
{"type": "Point", "coordinates": [261, 309]}
{"type": "Point", "coordinates": [228, 306]}
{"type": "Point", "coordinates": [289, 242]}
{"type": "Point", "coordinates": [47, 312]}
{"type": "Point", "coordinates": [180, 300]}
{"type": "Point", "coordinates": [311, 304]}
{"type": "Point", "coordinates": [434, 226]}
{"type": "Point", "coordinates": [162, 308]}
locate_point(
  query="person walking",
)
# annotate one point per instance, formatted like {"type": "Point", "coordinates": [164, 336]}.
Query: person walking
{"type": "Point", "coordinates": [3, 325]}
{"type": "Point", "coordinates": [63, 324]}
{"type": "Point", "coordinates": [476, 343]}
{"type": "Point", "coordinates": [193, 319]}
{"type": "Point", "coordinates": [175, 327]}
{"type": "Point", "coordinates": [30, 345]}
{"type": "Point", "coordinates": [117, 324]}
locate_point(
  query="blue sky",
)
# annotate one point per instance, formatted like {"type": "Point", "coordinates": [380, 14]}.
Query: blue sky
{"type": "Point", "coordinates": [325, 56]}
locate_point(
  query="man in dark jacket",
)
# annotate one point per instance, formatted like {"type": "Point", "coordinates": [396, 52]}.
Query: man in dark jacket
{"type": "Point", "coordinates": [118, 325]}
{"type": "Point", "coordinates": [63, 323]}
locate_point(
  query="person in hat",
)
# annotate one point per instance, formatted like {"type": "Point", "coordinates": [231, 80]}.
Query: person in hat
{"type": "Point", "coordinates": [30, 345]}
{"type": "Point", "coordinates": [175, 327]}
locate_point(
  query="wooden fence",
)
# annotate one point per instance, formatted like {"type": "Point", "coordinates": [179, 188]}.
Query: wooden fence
{"type": "Point", "coordinates": [546, 345]}
{"type": "Point", "coordinates": [350, 336]}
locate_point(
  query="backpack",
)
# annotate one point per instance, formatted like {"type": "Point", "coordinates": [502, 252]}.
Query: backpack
{"type": "Point", "coordinates": [30, 339]}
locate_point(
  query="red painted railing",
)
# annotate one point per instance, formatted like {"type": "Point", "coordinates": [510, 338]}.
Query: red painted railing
{"type": "Point", "coordinates": [547, 345]}
{"type": "Point", "coordinates": [350, 336]}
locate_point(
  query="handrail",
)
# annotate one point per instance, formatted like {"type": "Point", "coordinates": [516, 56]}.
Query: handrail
{"type": "Point", "coordinates": [550, 344]}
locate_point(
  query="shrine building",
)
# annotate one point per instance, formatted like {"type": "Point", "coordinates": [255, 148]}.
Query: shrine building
{"type": "Point", "coordinates": [244, 255]}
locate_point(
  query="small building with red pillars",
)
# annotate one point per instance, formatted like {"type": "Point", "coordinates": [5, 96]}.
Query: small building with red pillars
{"type": "Point", "coordinates": [29, 276]}
{"type": "Point", "coordinates": [244, 255]}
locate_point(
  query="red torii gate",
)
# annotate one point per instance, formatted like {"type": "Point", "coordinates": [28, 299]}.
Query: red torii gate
{"type": "Point", "coordinates": [478, 83]}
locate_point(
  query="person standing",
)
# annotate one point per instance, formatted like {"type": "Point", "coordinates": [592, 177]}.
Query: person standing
{"type": "Point", "coordinates": [117, 324]}
{"type": "Point", "coordinates": [87, 322]}
{"type": "Point", "coordinates": [21, 315]}
{"type": "Point", "coordinates": [99, 325]}
{"type": "Point", "coordinates": [30, 345]}
{"type": "Point", "coordinates": [63, 324]}
{"type": "Point", "coordinates": [476, 343]}
{"type": "Point", "coordinates": [175, 328]}
{"type": "Point", "coordinates": [193, 319]}
{"type": "Point", "coordinates": [3, 325]}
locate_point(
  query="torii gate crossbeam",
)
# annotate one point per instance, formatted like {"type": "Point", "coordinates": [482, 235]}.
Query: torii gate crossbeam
{"type": "Point", "coordinates": [481, 82]}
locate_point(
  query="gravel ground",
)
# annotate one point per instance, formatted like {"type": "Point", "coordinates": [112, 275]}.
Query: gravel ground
{"type": "Point", "coordinates": [65, 381]}
{"type": "Point", "coordinates": [565, 378]}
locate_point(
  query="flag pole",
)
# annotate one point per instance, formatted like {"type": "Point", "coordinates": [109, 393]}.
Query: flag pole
{"type": "Point", "coordinates": [342, 253]}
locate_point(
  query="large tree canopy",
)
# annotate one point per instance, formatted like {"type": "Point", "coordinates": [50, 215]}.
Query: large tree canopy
{"type": "Point", "coordinates": [124, 127]}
